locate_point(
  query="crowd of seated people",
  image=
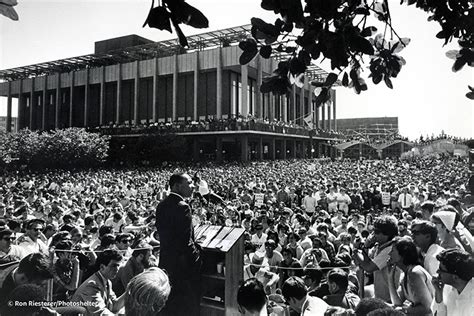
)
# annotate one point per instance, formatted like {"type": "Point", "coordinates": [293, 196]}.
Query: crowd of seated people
{"type": "Point", "coordinates": [328, 238]}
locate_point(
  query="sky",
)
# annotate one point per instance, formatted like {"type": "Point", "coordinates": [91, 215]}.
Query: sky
{"type": "Point", "coordinates": [427, 96]}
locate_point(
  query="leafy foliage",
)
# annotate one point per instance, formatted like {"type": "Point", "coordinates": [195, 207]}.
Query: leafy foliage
{"type": "Point", "coordinates": [66, 148]}
{"type": "Point", "coordinates": [6, 9]}
{"type": "Point", "coordinates": [175, 12]}
{"type": "Point", "coordinates": [338, 30]}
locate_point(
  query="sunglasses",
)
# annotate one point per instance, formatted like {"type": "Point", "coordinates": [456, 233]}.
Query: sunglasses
{"type": "Point", "coordinates": [416, 232]}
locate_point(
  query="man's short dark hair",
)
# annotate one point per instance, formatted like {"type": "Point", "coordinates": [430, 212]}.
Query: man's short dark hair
{"type": "Point", "coordinates": [25, 293]}
{"type": "Point", "coordinates": [106, 229]}
{"type": "Point", "coordinates": [387, 311]}
{"type": "Point", "coordinates": [294, 287]}
{"type": "Point", "coordinates": [339, 277]}
{"type": "Point", "coordinates": [426, 228]}
{"type": "Point", "coordinates": [35, 266]}
{"type": "Point", "coordinates": [176, 178]}
{"type": "Point", "coordinates": [108, 255]}
{"type": "Point", "coordinates": [88, 220]}
{"type": "Point", "coordinates": [387, 225]}
{"type": "Point", "coordinates": [428, 205]}
{"type": "Point", "coordinates": [407, 250]}
{"type": "Point", "coordinates": [366, 305]}
{"type": "Point", "coordinates": [5, 232]}
{"type": "Point", "coordinates": [458, 262]}
{"type": "Point", "coordinates": [251, 295]}
{"type": "Point", "coordinates": [32, 222]}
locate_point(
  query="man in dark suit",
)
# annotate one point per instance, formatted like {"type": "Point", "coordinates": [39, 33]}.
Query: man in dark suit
{"type": "Point", "coordinates": [179, 252]}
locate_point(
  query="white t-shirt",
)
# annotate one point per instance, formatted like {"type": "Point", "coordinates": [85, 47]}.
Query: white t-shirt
{"type": "Point", "coordinates": [203, 188]}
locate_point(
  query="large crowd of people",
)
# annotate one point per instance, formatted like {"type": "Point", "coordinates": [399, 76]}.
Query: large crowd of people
{"type": "Point", "coordinates": [322, 237]}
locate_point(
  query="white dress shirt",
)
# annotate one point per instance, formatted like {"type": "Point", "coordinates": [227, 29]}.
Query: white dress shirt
{"type": "Point", "coordinates": [454, 303]}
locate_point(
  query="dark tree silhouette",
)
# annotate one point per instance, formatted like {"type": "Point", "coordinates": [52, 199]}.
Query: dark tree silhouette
{"type": "Point", "coordinates": [338, 30]}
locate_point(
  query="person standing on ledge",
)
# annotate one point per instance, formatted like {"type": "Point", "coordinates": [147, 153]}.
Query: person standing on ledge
{"type": "Point", "coordinates": [180, 255]}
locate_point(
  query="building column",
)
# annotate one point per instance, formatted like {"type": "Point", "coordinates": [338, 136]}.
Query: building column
{"type": "Point", "coordinates": [102, 95]}
{"type": "Point", "coordinates": [260, 148]}
{"type": "Point", "coordinates": [58, 102]}
{"type": "Point", "coordinates": [379, 153]}
{"type": "Point", "coordinates": [271, 107]}
{"type": "Point", "coordinates": [244, 109]}
{"type": "Point", "coordinates": [272, 148]}
{"type": "Point", "coordinates": [310, 104]}
{"type": "Point", "coordinates": [329, 116]}
{"type": "Point", "coordinates": [219, 149]}
{"type": "Point", "coordinates": [323, 116]}
{"type": "Point", "coordinates": [155, 89]}
{"type": "Point", "coordinates": [283, 149]}
{"type": "Point", "coordinates": [333, 94]}
{"type": "Point", "coordinates": [219, 84]}
{"type": "Point", "coordinates": [119, 93]}
{"type": "Point", "coordinates": [293, 103]}
{"type": "Point", "coordinates": [9, 108]}
{"type": "Point", "coordinates": [244, 148]}
{"type": "Point", "coordinates": [44, 100]}
{"type": "Point", "coordinates": [258, 94]}
{"type": "Point", "coordinates": [304, 149]}
{"type": "Point", "coordinates": [316, 114]}
{"type": "Point", "coordinates": [196, 149]}
{"type": "Point", "coordinates": [175, 88]}
{"type": "Point", "coordinates": [71, 97]}
{"type": "Point", "coordinates": [294, 149]}
{"type": "Point", "coordinates": [196, 86]}
{"type": "Point", "coordinates": [20, 124]}
{"type": "Point", "coordinates": [86, 99]}
{"type": "Point", "coordinates": [301, 105]}
{"type": "Point", "coordinates": [32, 102]}
{"type": "Point", "coordinates": [136, 92]}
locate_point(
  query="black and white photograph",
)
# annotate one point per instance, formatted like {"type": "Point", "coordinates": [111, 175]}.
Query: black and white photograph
{"type": "Point", "coordinates": [236, 157]}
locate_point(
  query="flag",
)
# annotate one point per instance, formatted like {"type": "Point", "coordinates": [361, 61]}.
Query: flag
{"type": "Point", "coordinates": [309, 120]}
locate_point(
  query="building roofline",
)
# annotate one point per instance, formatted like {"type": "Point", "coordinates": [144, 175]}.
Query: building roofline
{"type": "Point", "coordinates": [208, 40]}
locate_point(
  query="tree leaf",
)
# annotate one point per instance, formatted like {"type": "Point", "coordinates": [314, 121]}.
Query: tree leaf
{"type": "Point", "coordinates": [362, 10]}
{"type": "Point", "coordinates": [248, 44]}
{"type": "Point", "coordinates": [470, 95]}
{"type": "Point", "coordinates": [365, 46]}
{"type": "Point", "coordinates": [452, 54]}
{"type": "Point", "coordinates": [297, 66]}
{"type": "Point", "coordinates": [159, 18]}
{"type": "Point", "coordinates": [345, 80]}
{"type": "Point", "coordinates": [247, 56]}
{"type": "Point", "coordinates": [8, 11]}
{"type": "Point", "coordinates": [330, 79]}
{"type": "Point", "coordinates": [181, 37]}
{"type": "Point", "coordinates": [388, 82]}
{"type": "Point", "coordinates": [194, 17]}
{"type": "Point", "coordinates": [368, 31]}
{"type": "Point", "coordinates": [459, 64]}
{"type": "Point", "coordinates": [266, 51]}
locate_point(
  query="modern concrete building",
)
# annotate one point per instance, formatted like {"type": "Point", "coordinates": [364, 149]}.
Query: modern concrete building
{"type": "Point", "coordinates": [132, 81]}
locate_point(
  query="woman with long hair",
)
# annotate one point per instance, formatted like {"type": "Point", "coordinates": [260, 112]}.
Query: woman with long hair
{"type": "Point", "coordinates": [415, 293]}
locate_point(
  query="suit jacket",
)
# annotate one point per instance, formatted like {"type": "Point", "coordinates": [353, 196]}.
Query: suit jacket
{"type": "Point", "coordinates": [179, 252]}
{"type": "Point", "coordinates": [97, 291]}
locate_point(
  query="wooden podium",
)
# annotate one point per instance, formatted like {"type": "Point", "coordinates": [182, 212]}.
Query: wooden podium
{"type": "Point", "coordinates": [223, 256]}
